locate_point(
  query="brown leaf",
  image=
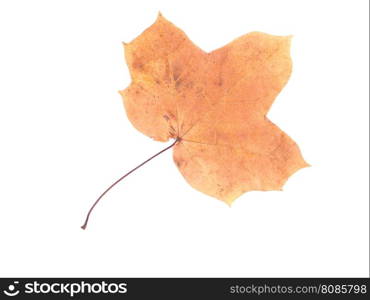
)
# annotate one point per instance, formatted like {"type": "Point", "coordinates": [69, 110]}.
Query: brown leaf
{"type": "Point", "coordinates": [215, 104]}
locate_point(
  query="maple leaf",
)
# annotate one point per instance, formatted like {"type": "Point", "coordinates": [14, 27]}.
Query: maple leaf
{"type": "Point", "coordinates": [215, 105]}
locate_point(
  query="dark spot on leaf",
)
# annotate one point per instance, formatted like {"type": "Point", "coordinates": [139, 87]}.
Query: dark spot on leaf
{"type": "Point", "coordinates": [172, 116]}
{"type": "Point", "coordinates": [178, 83]}
{"type": "Point", "coordinates": [138, 65]}
{"type": "Point", "coordinates": [176, 72]}
{"type": "Point", "coordinates": [179, 163]}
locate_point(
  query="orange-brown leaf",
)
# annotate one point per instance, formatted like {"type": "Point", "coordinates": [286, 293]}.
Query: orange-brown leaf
{"type": "Point", "coordinates": [215, 104]}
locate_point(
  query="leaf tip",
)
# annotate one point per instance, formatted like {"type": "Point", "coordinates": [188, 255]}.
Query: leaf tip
{"type": "Point", "coordinates": [229, 202]}
{"type": "Point", "coordinates": [160, 16]}
{"type": "Point", "coordinates": [307, 165]}
{"type": "Point", "coordinates": [288, 39]}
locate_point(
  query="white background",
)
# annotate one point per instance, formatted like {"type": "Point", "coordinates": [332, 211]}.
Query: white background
{"type": "Point", "coordinates": [65, 137]}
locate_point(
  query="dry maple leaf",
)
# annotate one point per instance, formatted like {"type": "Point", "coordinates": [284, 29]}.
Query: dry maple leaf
{"type": "Point", "coordinates": [214, 105]}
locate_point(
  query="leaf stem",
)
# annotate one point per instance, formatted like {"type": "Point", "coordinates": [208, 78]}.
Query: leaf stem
{"type": "Point", "coordinates": [118, 180]}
